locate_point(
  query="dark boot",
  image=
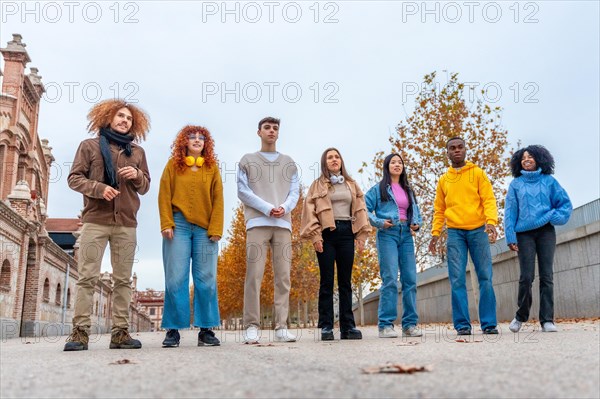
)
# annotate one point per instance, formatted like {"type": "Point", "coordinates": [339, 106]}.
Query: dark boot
{"type": "Point", "coordinates": [326, 334]}
{"type": "Point", "coordinates": [120, 339]}
{"type": "Point", "coordinates": [78, 340]}
{"type": "Point", "coordinates": [352, 333]}
{"type": "Point", "coordinates": [172, 339]}
{"type": "Point", "coordinates": [207, 338]}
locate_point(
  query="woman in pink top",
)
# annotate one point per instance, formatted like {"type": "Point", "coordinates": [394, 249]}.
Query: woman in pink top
{"type": "Point", "coordinates": [392, 208]}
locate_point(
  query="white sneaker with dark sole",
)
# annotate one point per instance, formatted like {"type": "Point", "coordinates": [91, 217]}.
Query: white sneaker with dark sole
{"type": "Point", "coordinates": [515, 325]}
{"type": "Point", "coordinates": [283, 335]}
{"type": "Point", "coordinates": [388, 332]}
{"type": "Point", "coordinates": [251, 335]}
{"type": "Point", "coordinates": [412, 331]}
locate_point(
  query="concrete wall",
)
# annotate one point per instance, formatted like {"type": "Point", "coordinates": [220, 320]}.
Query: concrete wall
{"type": "Point", "coordinates": [576, 278]}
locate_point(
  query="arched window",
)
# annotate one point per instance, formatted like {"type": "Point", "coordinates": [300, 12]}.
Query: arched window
{"type": "Point", "coordinates": [58, 295]}
{"type": "Point", "coordinates": [96, 312]}
{"type": "Point", "coordinates": [68, 298]}
{"type": "Point", "coordinates": [46, 293]}
{"type": "Point", "coordinates": [5, 276]}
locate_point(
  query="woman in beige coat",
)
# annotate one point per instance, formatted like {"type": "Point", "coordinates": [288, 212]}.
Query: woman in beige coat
{"type": "Point", "coordinates": [334, 218]}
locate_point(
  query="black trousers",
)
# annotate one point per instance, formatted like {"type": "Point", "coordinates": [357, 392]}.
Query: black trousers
{"type": "Point", "coordinates": [338, 249]}
{"type": "Point", "coordinates": [540, 242]}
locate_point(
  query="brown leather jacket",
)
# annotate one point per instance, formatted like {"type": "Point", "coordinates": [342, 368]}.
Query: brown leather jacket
{"type": "Point", "coordinates": [317, 212]}
{"type": "Point", "coordinates": [87, 177]}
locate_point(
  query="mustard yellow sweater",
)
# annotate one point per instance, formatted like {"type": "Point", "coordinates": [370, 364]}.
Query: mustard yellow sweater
{"type": "Point", "coordinates": [198, 195]}
{"type": "Point", "coordinates": [464, 199]}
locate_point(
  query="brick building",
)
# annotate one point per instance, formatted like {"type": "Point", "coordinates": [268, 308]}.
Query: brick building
{"type": "Point", "coordinates": [37, 275]}
{"type": "Point", "coordinates": [153, 303]}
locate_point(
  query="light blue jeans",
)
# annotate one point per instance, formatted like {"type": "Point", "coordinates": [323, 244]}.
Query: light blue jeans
{"type": "Point", "coordinates": [190, 243]}
{"type": "Point", "coordinates": [476, 243]}
{"type": "Point", "coordinates": [397, 254]}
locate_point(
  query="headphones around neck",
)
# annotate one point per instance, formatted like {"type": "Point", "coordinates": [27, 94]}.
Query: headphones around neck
{"type": "Point", "coordinates": [336, 179]}
{"type": "Point", "coordinates": [191, 161]}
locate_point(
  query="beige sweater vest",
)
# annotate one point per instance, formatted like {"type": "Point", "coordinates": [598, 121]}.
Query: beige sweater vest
{"type": "Point", "coordinates": [271, 181]}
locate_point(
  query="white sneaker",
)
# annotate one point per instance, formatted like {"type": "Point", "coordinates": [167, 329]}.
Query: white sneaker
{"type": "Point", "coordinates": [283, 335]}
{"type": "Point", "coordinates": [549, 327]}
{"type": "Point", "coordinates": [251, 335]}
{"type": "Point", "coordinates": [515, 325]}
{"type": "Point", "coordinates": [412, 331]}
{"type": "Point", "coordinates": [388, 332]}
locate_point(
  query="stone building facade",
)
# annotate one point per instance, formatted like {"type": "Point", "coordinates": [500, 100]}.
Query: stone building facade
{"type": "Point", "coordinates": [37, 277]}
{"type": "Point", "coordinates": [152, 303]}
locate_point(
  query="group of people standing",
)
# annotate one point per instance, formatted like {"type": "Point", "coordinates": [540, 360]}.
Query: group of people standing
{"type": "Point", "coordinates": [110, 170]}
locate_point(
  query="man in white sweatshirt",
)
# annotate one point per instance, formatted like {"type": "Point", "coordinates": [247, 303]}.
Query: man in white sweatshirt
{"type": "Point", "coordinates": [268, 186]}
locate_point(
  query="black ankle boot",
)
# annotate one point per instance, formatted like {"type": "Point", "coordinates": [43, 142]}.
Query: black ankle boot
{"type": "Point", "coordinates": [326, 334]}
{"type": "Point", "coordinates": [352, 333]}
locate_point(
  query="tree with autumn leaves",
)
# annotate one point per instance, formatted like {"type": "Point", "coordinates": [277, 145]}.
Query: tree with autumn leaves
{"type": "Point", "coordinates": [442, 112]}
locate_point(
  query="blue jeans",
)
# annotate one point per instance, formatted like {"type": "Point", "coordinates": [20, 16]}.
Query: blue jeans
{"type": "Point", "coordinates": [476, 243]}
{"type": "Point", "coordinates": [190, 243]}
{"type": "Point", "coordinates": [397, 254]}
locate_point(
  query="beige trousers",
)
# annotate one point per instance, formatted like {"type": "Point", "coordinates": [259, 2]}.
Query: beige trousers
{"type": "Point", "coordinates": [258, 241]}
{"type": "Point", "coordinates": [123, 243]}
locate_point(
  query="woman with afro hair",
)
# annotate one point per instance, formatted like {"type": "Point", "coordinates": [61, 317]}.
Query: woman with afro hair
{"type": "Point", "coordinates": [190, 202]}
{"type": "Point", "coordinates": [535, 203]}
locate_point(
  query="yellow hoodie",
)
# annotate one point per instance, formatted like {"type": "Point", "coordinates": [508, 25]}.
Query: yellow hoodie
{"type": "Point", "coordinates": [464, 199]}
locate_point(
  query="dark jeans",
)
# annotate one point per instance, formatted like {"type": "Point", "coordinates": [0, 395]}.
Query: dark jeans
{"type": "Point", "coordinates": [338, 248]}
{"type": "Point", "coordinates": [541, 241]}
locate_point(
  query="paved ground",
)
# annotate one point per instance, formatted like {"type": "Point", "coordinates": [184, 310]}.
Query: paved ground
{"type": "Point", "coordinates": [528, 364]}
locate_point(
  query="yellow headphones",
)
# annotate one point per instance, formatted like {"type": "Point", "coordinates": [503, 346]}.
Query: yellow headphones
{"type": "Point", "coordinates": [191, 161]}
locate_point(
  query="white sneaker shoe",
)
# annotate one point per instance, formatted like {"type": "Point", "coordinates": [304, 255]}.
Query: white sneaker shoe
{"type": "Point", "coordinates": [549, 327]}
{"type": "Point", "coordinates": [251, 335]}
{"type": "Point", "coordinates": [388, 332]}
{"type": "Point", "coordinates": [515, 325]}
{"type": "Point", "coordinates": [412, 331]}
{"type": "Point", "coordinates": [283, 335]}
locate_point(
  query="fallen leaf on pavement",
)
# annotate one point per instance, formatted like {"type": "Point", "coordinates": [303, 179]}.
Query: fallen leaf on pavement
{"type": "Point", "coordinates": [264, 345]}
{"type": "Point", "coordinates": [409, 343]}
{"type": "Point", "coordinates": [465, 341]}
{"type": "Point", "coordinates": [395, 368]}
{"type": "Point", "coordinates": [123, 361]}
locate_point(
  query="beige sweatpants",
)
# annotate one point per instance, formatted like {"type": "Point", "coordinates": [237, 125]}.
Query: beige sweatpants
{"type": "Point", "coordinates": [258, 241]}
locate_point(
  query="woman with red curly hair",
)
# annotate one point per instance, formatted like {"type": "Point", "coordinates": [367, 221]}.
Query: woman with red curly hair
{"type": "Point", "coordinates": [190, 202]}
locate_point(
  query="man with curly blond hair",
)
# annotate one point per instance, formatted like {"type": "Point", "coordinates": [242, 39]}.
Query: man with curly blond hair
{"type": "Point", "coordinates": [110, 170]}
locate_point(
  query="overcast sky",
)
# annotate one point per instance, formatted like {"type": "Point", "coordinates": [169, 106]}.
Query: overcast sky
{"type": "Point", "coordinates": [338, 74]}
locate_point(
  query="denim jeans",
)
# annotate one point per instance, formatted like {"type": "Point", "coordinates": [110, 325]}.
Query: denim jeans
{"type": "Point", "coordinates": [190, 243]}
{"type": "Point", "coordinates": [397, 254]}
{"type": "Point", "coordinates": [476, 243]}
{"type": "Point", "coordinates": [338, 248]}
{"type": "Point", "coordinates": [540, 241]}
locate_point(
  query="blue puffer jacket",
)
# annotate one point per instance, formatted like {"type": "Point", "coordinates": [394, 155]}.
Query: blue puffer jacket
{"type": "Point", "coordinates": [380, 211]}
